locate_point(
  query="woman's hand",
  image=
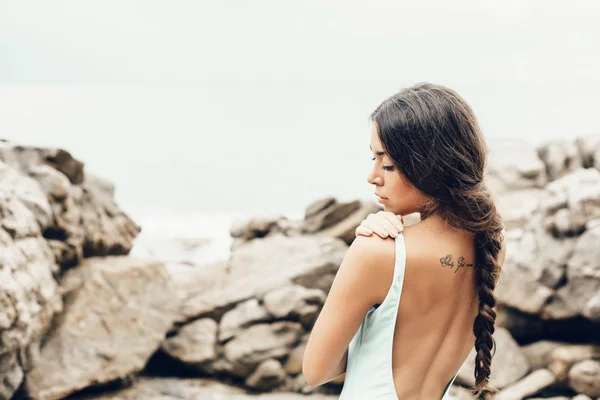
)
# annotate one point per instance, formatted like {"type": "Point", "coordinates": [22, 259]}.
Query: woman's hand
{"type": "Point", "coordinates": [383, 223]}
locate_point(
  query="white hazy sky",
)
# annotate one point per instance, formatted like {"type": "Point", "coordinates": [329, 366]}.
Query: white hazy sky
{"type": "Point", "coordinates": [262, 106]}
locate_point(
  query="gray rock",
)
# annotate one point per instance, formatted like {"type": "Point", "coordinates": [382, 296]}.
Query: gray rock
{"type": "Point", "coordinates": [268, 375]}
{"type": "Point", "coordinates": [589, 147]}
{"type": "Point", "coordinates": [11, 373]}
{"type": "Point", "coordinates": [261, 342]}
{"type": "Point", "coordinates": [579, 296]}
{"type": "Point", "coordinates": [251, 228]}
{"type": "Point", "coordinates": [571, 201]}
{"type": "Point", "coordinates": [288, 301]}
{"type": "Point", "coordinates": [584, 378]}
{"type": "Point", "coordinates": [319, 206]}
{"type": "Point", "coordinates": [560, 157]}
{"type": "Point", "coordinates": [508, 364]}
{"type": "Point", "coordinates": [531, 384]}
{"type": "Point", "coordinates": [345, 229]}
{"type": "Point", "coordinates": [263, 264]}
{"type": "Point", "coordinates": [534, 266]}
{"type": "Point", "coordinates": [29, 295]}
{"type": "Point", "coordinates": [242, 316]}
{"type": "Point", "coordinates": [517, 207]}
{"type": "Point", "coordinates": [565, 356]}
{"type": "Point", "coordinates": [192, 388]}
{"type": "Point", "coordinates": [293, 365]}
{"type": "Point", "coordinates": [117, 312]}
{"type": "Point", "coordinates": [538, 353]}
{"type": "Point", "coordinates": [195, 343]}
{"type": "Point", "coordinates": [329, 216]}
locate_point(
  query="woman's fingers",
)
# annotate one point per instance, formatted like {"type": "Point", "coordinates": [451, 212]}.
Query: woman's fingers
{"type": "Point", "coordinates": [361, 230]}
{"type": "Point", "coordinates": [395, 220]}
{"type": "Point", "coordinates": [380, 226]}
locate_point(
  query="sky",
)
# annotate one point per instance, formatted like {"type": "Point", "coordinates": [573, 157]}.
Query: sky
{"type": "Point", "coordinates": [262, 106]}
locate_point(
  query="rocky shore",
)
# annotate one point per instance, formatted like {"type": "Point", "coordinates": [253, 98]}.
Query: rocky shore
{"type": "Point", "coordinates": [80, 318]}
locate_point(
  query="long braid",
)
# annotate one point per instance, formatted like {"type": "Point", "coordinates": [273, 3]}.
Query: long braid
{"type": "Point", "coordinates": [489, 244]}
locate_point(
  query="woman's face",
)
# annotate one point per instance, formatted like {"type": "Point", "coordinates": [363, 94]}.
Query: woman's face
{"type": "Point", "coordinates": [398, 195]}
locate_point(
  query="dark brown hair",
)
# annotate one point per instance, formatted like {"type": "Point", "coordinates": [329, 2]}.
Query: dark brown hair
{"type": "Point", "coordinates": [434, 139]}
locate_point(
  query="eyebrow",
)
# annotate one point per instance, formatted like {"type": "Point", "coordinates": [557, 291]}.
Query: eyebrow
{"type": "Point", "coordinates": [379, 153]}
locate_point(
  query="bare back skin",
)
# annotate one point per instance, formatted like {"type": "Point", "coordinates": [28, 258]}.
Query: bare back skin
{"type": "Point", "coordinates": [434, 328]}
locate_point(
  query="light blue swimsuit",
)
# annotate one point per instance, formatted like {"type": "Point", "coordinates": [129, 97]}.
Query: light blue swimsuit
{"type": "Point", "coordinates": [369, 366]}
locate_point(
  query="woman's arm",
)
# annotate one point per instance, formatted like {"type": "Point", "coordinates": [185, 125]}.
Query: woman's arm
{"type": "Point", "coordinates": [357, 286]}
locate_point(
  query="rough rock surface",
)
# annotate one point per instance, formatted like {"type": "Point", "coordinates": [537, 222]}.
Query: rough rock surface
{"type": "Point", "coordinates": [263, 264]}
{"type": "Point", "coordinates": [117, 312]}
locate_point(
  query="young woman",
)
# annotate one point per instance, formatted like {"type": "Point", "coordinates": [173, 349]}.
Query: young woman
{"type": "Point", "coordinates": [402, 315]}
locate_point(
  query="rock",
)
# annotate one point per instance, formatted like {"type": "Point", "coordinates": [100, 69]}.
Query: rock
{"type": "Point", "coordinates": [308, 315]}
{"type": "Point", "coordinates": [581, 397]}
{"type": "Point", "coordinates": [29, 295]}
{"type": "Point", "coordinates": [571, 201]}
{"type": "Point", "coordinates": [589, 147]}
{"type": "Point", "coordinates": [107, 230]}
{"type": "Point", "coordinates": [242, 316]}
{"type": "Point", "coordinates": [288, 227]}
{"type": "Point", "coordinates": [345, 229]}
{"type": "Point", "coordinates": [71, 206]}
{"type": "Point", "coordinates": [288, 301]}
{"type": "Point", "coordinates": [534, 266]}
{"type": "Point", "coordinates": [579, 296]}
{"type": "Point", "coordinates": [260, 342]}
{"type": "Point", "coordinates": [538, 353]}
{"type": "Point", "coordinates": [150, 388]}
{"type": "Point", "coordinates": [11, 373]}
{"type": "Point", "coordinates": [508, 364]}
{"type": "Point", "coordinates": [530, 385]}
{"type": "Point", "coordinates": [268, 375]}
{"type": "Point", "coordinates": [195, 343]}
{"type": "Point", "coordinates": [251, 228]}
{"type": "Point", "coordinates": [293, 364]}
{"type": "Point", "coordinates": [584, 377]}
{"type": "Point", "coordinates": [514, 165]}
{"type": "Point", "coordinates": [561, 157]}
{"type": "Point", "coordinates": [517, 207]}
{"type": "Point", "coordinates": [565, 356]}
{"type": "Point", "coordinates": [263, 264]}
{"type": "Point", "coordinates": [318, 206]}
{"type": "Point", "coordinates": [28, 192]}
{"type": "Point", "coordinates": [329, 216]}
{"type": "Point", "coordinates": [117, 312]}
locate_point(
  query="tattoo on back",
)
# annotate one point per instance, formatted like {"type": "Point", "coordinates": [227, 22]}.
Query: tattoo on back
{"type": "Point", "coordinates": [447, 262]}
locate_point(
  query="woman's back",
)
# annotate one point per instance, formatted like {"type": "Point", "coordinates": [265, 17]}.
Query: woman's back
{"type": "Point", "coordinates": [434, 326]}
{"type": "Point", "coordinates": [414, 342]}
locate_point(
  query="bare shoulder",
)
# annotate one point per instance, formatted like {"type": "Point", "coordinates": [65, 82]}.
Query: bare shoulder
{"type": "Point", "coordinates": [372, 250]}
{"type": "Point", "coordinates": [375, 256]}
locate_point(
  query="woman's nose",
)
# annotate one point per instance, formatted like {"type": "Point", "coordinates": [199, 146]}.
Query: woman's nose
{"type": "Point", "coordinates": [373, 178]}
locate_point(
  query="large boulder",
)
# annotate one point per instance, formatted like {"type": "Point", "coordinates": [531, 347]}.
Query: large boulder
{"type": "Point", "coordinates": [79, 217]}
{"type": "Point", "coordinates": [117, 312]}
{"type": "Point", "coordinates": [29, 295]}
{"type": "Point", "coordinates": [261, 265]}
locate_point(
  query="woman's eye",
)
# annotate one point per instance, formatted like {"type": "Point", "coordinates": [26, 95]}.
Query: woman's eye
{"type": "Point", "coordinates": [385, 167]}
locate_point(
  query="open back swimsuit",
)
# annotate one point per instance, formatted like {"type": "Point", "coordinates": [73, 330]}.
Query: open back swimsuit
{"type": "Point", "coordinates": [369, 367]}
